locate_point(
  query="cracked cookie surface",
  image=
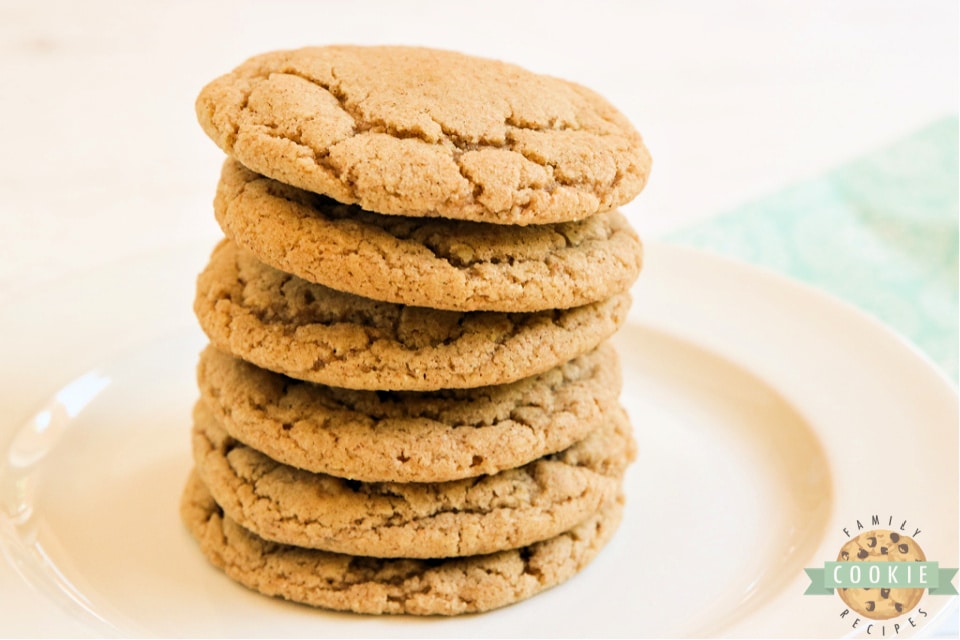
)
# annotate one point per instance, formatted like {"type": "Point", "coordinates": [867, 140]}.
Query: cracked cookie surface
{"type": "Point", "coordinates": [377, 436]}
{"type": "Point", "coordinates": [421, 132]}
{"type": "Point", "coordinates": [391, 586]}
{"type": "Point", "coordinates": [442, 264]}
{"type": "Point", "coordinates": [311, 332]}
{"type": "Point", "coordinates": [506, 510]}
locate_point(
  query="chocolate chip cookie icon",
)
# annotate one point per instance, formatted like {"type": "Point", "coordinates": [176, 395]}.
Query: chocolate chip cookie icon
{"type": "Point", "coordinates": [881, 545]}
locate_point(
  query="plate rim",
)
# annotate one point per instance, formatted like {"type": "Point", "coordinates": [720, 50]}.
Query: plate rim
{"type": "Point", "coordinates": [878, 330]}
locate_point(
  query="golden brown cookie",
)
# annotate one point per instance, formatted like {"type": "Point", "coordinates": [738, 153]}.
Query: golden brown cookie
{"type": "Point", "coordinates": [506, 510]}
{"type": "Point", "coordinates": [879, 546]}
{"type": "Point", "coordinates": [392, 586]}
{"type": "Point", "coordinates": [441, 264]}
{"type": "Point", "coordinates": [310, 332]}
{"type": "Point", "coordinates": [421, 132]}
{"type": "Point", "coordinates": [378, 436]}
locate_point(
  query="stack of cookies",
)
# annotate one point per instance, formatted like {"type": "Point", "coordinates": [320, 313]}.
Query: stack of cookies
{"type": "Point", "coordinates": [408, 404]}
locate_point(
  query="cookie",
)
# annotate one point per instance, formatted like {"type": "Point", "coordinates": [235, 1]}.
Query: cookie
{"type": "Point", "coordinates": [878, 546]}
{"type": "Point", "coordinates": [391, 586]}
{"type": "Point", "coordinates": [441, 264]}
{"type": "Point", "coordinates": [419, 132]}
{"type": "Point", "coordinates": [310, 332]}
{"type": "Point", "coordinates": [507, 510]}
{"type": "Point", "coordinates": [409, 436]}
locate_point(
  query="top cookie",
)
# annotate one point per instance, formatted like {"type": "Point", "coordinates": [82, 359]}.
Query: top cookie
{"type": "Point", "coordinates": [420, 132]}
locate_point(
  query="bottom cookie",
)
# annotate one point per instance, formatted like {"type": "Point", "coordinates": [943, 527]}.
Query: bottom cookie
{"type": "Point", "coordinates": [392, 586]}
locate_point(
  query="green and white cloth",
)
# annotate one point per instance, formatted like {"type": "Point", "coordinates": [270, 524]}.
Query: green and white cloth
{"type": "Point", "coordinates": [879, 232]}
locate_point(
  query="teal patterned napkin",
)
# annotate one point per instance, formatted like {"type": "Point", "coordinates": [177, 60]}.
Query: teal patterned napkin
{"type": "Point", "coordinates": [879, 232]}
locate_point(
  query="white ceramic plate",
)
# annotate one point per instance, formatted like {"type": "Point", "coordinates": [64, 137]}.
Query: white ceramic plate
{"type": "Point", "coordinates": [769, 418]}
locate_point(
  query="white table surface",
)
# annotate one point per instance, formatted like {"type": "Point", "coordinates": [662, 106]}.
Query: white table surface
{"type": "Point", "coordinates": [102, 158]}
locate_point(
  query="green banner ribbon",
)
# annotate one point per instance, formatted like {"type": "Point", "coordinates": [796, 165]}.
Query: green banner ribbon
{"type": "Point", "coordinates": [816, 587]}
{"type": "Point", "coordinates": [897, 575]}
{"type": "Point", "coordinates": [945, 587]}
